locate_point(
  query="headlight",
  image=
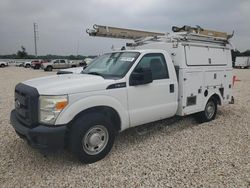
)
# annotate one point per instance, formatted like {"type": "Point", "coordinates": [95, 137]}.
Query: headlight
{"type": "Point", "coordinates": [50, 108]}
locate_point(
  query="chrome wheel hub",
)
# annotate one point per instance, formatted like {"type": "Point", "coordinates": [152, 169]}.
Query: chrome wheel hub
{"type": "Point", "coordinates": [210, 110]}
{"type": "Point", "coordinates": [95, 140]}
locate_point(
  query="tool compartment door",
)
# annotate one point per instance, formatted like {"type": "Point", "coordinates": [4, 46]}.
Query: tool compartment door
{"type": "Point", "coordinates": [205, 56]}
{"type": "Point", "coordinates": [192, 92]}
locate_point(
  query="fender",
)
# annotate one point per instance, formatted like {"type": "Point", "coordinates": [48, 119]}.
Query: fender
{"type": "Point", "coordinates": [211, 94]}
{"type": "Point", "coordinates": [93, 101]}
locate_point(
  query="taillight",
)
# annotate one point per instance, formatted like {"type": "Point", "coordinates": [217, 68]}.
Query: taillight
{"type": "Point", "coordinates": [235, 80]}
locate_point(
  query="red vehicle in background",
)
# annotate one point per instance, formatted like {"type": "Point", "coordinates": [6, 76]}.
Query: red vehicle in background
{"type": "Point", "coordinates": [36, 64]}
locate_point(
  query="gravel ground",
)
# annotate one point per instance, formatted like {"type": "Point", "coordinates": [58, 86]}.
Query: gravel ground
{"type": "Point", "coordinates": [183, 154]}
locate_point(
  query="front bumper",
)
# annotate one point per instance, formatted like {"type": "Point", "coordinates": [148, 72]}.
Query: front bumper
{"type": "Point", "coordinates": [41, 137]}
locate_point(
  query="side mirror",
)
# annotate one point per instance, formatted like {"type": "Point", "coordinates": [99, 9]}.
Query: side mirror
{"type": "Point", "coordinates": [140, 77]}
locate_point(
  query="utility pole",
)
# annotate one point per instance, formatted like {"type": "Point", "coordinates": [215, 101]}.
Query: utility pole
{"type": "Point", "coordinates": [77, 48]}
{"type": "Point", "coordinates": [35, 36]}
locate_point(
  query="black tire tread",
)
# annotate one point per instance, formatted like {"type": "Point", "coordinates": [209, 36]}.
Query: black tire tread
{"type": "Point", "coordinates": [82, 125]}
{"type": "Point", "coordinates": [201, 116]}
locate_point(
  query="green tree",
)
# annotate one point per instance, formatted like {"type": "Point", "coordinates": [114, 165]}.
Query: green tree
{"type": "Point", "coordinates": [22, 54]}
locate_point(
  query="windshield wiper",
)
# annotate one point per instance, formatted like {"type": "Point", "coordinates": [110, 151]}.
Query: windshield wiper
{"type": "Point", "coordinates": [95, 73]}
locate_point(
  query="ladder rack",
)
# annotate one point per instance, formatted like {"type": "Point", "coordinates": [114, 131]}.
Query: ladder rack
{"type": "Point", "coordinates": [185, 33]}
{"type": "Point", "coordinates": [191, 37]}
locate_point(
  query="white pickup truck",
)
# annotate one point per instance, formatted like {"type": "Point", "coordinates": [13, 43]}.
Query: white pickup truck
{"type": "Point", "coordinates": [150, 81]}
{"type": "Point", "coordinates": [3, 64]}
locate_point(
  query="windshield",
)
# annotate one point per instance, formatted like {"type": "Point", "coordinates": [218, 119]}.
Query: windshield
{"type": "Point", "coordinates": [112, 64]}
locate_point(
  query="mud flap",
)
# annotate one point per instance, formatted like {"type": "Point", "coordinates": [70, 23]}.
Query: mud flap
{"type": "Point", "coordinates": [232, 100]}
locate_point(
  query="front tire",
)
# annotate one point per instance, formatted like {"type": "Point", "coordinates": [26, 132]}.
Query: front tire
{"type": "Point", "coordinates": [91, 137]}
{"type": "Point", "coordinates": [2, 65]}
{"type": "Point", "coordinates": [209, 112]}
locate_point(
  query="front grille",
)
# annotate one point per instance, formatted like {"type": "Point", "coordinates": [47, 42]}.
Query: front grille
{"type": "Point", "coordinates": [26, 104]}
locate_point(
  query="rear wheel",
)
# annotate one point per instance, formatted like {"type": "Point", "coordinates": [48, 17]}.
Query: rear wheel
{"type": "Point", "coordinates": [209, 112]}
{"type": "Point", "coordinates": [91, 137]}
{"type": "Point", "coordinates": [27, 66]}
{"type": "Point", "coordinates": [2, 65]}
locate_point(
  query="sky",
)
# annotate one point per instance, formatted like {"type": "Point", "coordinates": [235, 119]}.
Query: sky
{"type": "Point", "coordinates": [62, 24]}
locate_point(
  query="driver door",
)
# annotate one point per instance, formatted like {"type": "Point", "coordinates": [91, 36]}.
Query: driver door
{"type": "Point", "coordinates": [153, 101]}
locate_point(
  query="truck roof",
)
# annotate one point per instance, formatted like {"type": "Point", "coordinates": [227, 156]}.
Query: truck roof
{"type": "Point", "coordinates": [141, 50]}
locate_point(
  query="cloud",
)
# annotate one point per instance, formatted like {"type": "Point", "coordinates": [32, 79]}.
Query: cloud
{"type": "Point", "coordinates": [62, 24]}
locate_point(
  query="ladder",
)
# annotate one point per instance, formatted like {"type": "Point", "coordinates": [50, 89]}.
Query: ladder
{"type": "Point", "coordinates": [185, 33]}
{"type": "Point", "coordinates": [120, 33]}
{"type": "Point", "coordinates": [198, 31]}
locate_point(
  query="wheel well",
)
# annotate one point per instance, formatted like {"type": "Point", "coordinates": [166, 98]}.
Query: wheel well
{"type": "Point", "coordinates": [107, 111]}
{"type": "Point", "coordinates": [216, 97]}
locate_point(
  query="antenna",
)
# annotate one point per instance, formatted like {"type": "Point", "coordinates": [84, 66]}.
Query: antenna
{"type": "Point", "coordinates": [35, 36]}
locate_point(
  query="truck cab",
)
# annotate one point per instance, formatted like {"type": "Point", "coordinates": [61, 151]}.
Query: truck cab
{"type": "Point", "coordinates": [134, 87]}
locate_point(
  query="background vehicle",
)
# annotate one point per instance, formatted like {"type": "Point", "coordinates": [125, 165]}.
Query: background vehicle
{"type": "Point", "coordinates": [156, 77]}
{"type": "Point", "coordinates": [19, 63]}
{"type": "Point", "coordinates": [57, 64]}
{"type": "Point", "coordinates": [3, 64]}
{"type": "Point", "coordinates": [36, 64]}
{"type": "Point", "coordinates": [27, 64]}
{"type": "Point", "coordinates": [242, 62]}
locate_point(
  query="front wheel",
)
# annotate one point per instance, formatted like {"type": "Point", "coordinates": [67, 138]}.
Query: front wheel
{"type": "Point", "coordinates": [209, 112]}
{"type": "Point", "coordinates": [92, 137]}
{"type": "Point", "coordinates": [2, 65]}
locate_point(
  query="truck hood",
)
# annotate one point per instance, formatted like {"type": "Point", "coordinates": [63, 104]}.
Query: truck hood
{"type": "Point", "coordinates": [69, 84]}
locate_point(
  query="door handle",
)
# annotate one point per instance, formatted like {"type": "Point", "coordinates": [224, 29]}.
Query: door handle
{"type": "Point", "coordinates": [171, 88]}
